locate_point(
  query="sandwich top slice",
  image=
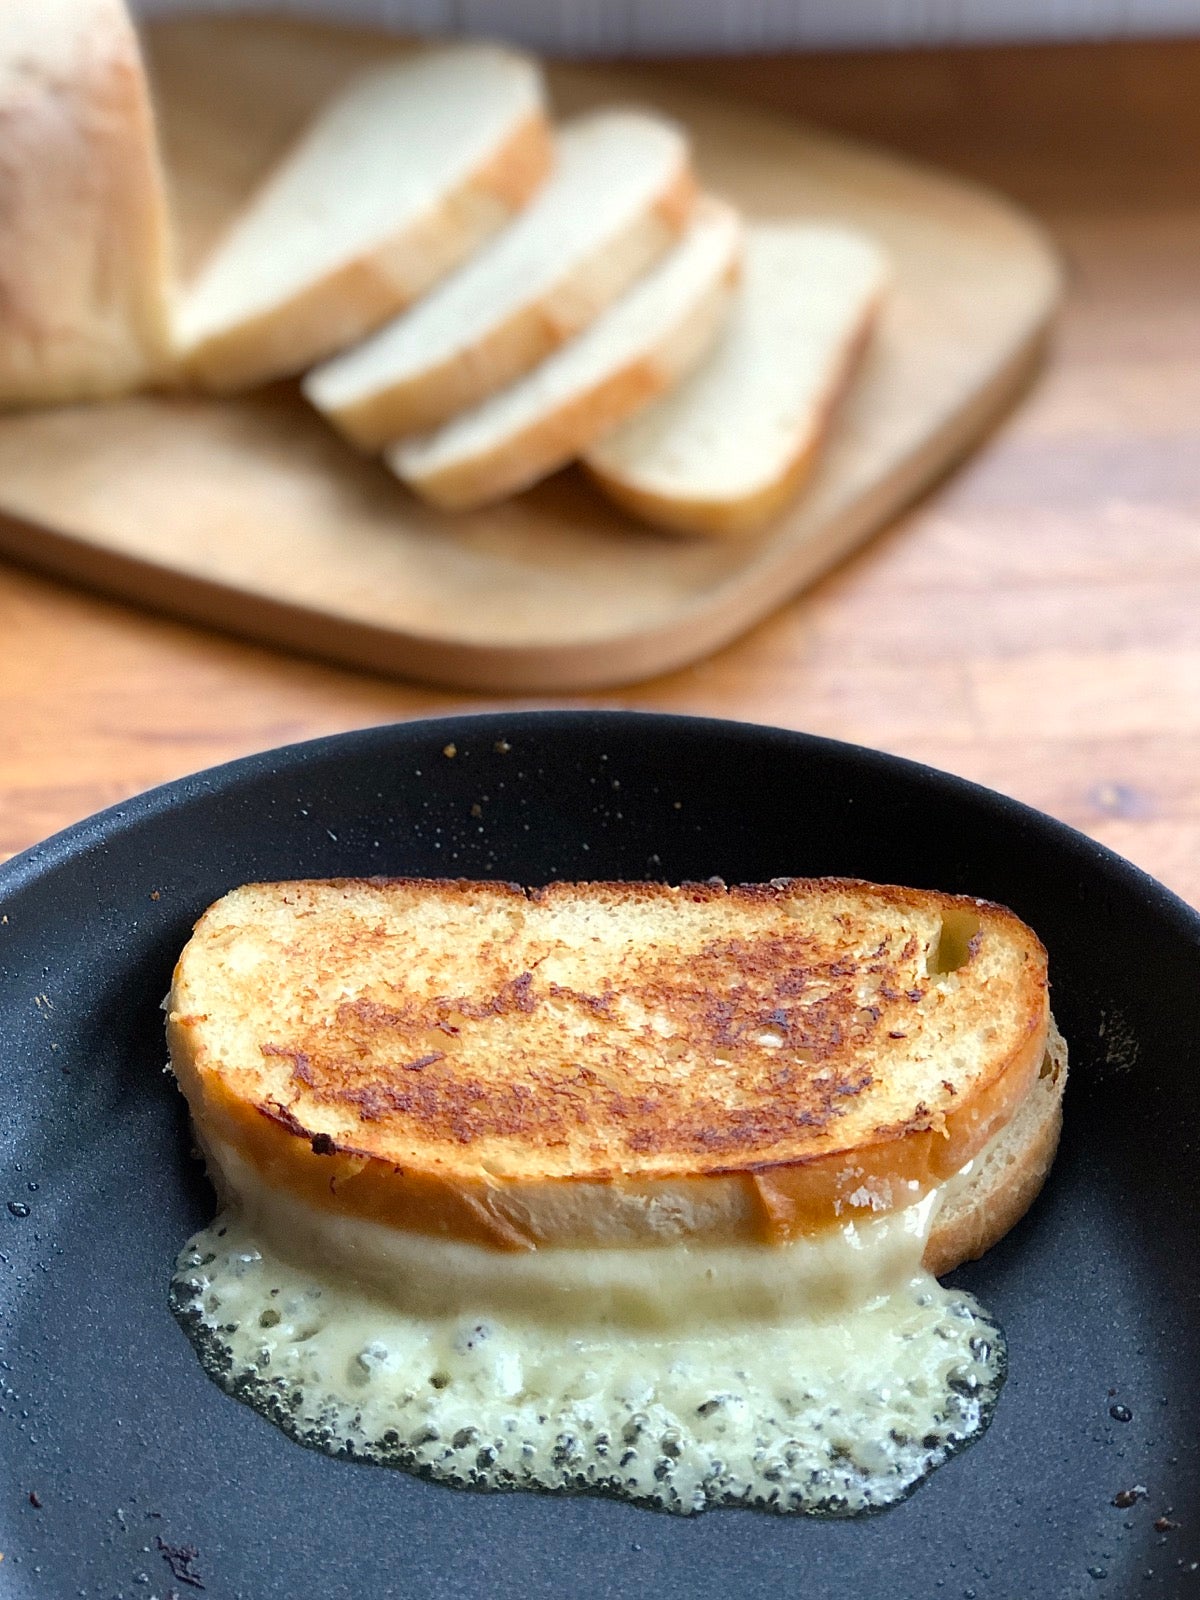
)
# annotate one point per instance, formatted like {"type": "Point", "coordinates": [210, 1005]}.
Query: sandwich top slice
{"type": "Point", "coordinates": [620, 194]}
{"type": "Point", "coordinates": [727, 450]}
{"type": "Point", "coordinates": [84, 247]}
{"type": "Point", "coordinates": [640, 346]}
{"type": "Point", "coordinates": [622, 1064]}
{"type": "Point", "coordinates": [397, 181]}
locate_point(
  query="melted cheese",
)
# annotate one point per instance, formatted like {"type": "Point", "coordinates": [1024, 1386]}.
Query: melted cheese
{"type": "Point", "coordinates": [827, 1376]}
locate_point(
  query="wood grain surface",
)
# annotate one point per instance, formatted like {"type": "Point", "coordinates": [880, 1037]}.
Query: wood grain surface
{"type": "Point", "coordinates": [1033, 624]}
{"type": "Point", "coordinates": [254, 515]}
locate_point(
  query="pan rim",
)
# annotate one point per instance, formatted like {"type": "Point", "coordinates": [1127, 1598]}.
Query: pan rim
{"type": "Point", "coordinates": [105, 826]}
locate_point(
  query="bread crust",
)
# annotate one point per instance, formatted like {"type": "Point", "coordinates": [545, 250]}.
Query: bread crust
{"type": "Point", "coordinates": [978, 1208]}
{"type": "Point", "coordinates": [457, 1159]}
{"type": "Point", "coordinates": [347, 304]}
{"type": "Point", "coordinates": [85, 255]}
{"type": "Point", "coordinates": [533, 332]}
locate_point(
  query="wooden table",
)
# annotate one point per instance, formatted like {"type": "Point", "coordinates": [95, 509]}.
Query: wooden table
{"type": "Point", "coordinates": [1033, 624]}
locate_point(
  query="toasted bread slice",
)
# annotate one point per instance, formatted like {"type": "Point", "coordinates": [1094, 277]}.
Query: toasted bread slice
{"type": "Point", "coordinates": [401, 178]}
{"type": "Point", "coordinates": [619, 1063]}
{"type": "Point", "coordinates": [634, 351]}
{"type": "Point", "coordinates": [621, 193]}
{"type": "Point", "coordinates": [808, 301]}
{"type": "Point", "coordinates": [84, 248]}
{"type": "Point", "coordinates": [980, 1204]}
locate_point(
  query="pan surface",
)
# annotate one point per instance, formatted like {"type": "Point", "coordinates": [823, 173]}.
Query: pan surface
{"type": "Point", "coordinates": [125, 1471]}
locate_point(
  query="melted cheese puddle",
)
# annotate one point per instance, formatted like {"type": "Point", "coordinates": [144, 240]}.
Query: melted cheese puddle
{"type": "Point", "coordinates": [826, 1377]}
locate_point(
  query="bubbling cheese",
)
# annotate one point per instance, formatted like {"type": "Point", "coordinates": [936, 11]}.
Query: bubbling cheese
{"type": "Point", "coordinates": [827, 1377]}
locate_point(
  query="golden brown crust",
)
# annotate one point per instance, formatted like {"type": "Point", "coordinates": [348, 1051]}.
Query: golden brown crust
{"type": "Point", "coordinates": [456, 1057]}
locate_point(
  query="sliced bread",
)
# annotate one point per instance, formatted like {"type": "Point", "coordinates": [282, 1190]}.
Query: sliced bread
{"type": "Point", "coordinates": [620, 195]}
{"type": "Point", "coordinates": [84, 257]}
{"type": "Point", "coordinates": [726, 450]}
{"type": "Point", "coordinates": [400, 179]}
{"type": "Point", "coordinates": [633, 352]}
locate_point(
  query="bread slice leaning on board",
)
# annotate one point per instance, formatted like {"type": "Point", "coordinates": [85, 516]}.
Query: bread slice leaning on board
{"type": "Point", "coordinates": [632, 353]}
{"type": "Point", "coordinates": [406, 173]}
{"type": "Point", "coordinates": [84, 246]}
{"type": "Point", "coordinates": [728, 448]}
{"type": "Point", "coordinates": [621, 193]}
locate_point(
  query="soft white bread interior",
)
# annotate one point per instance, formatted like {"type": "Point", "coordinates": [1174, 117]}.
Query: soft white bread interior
{"type": "Point", "coordinates": [634, 351]}
{"type": "Point", "coordinates": [978, 1205]}
{"type": "Point", "coordinates": [84, 250]}
{"type": "Point", "coordinates": [620, 195]}
{"type": "Point", "coordinates": [725, 451]}
{"type": "Point", "coordinates": [623, 1064]}
{"type": "Point", "coordinates": [398, 180]}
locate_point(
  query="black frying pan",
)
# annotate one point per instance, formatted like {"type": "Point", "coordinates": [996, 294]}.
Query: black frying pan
{"type": "Point", "coordinates": [107, 1421]}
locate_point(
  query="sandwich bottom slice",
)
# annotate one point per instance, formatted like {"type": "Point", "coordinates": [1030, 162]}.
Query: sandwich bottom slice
{"type": "Point", "coordinates": [613, 1186]}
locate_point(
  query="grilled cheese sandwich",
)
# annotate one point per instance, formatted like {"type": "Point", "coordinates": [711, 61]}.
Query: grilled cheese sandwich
{"type": "Point", "coordinates": [625, 1129]}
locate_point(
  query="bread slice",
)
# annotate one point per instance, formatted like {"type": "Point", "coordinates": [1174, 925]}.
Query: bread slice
{"type": "Point", "coordinates": [620, 195]}
{"type": "Point", "coordinates": [405, 174]}
{"type": "Point", "coordinates": [978, 1206]}
{"type": "Point", "coordinates": [645, 342]}
{"type": "Point", "coordinates": [84, 253]}
{"type": "Point", "coordinates": [621, 1063]}
{"type": "Point", "coordinates": [809, 297]}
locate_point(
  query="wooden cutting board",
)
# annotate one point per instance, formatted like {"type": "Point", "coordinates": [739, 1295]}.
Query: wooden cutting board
{"type": "Point", "coordinates": [252, 515]}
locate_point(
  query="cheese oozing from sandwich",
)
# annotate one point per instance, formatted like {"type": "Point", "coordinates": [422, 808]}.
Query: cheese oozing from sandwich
{"type": "Point", "coordinates": [827, 1376]}
{"type": "Point", "coordinates": [823, 1373]}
